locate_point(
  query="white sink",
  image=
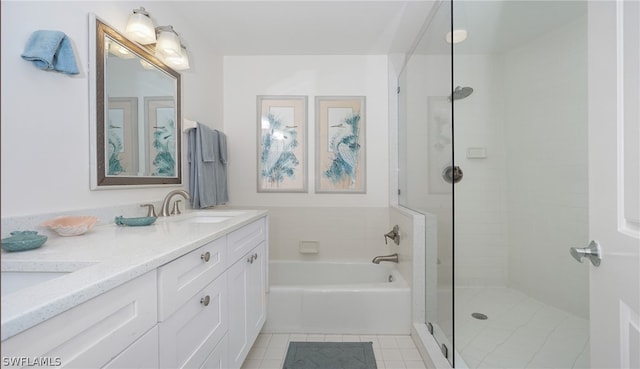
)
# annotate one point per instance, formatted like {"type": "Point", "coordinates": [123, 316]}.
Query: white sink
{"type": "Point", "coordinates": [204, 219]}
{"type": "Point", "coordinates": [11, 282]}
{"type": "Point", "coordinates": [206, 216]}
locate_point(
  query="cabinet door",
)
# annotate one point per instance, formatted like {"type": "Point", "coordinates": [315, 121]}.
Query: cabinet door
{"type": "Point", "coordinates": [143, 354]}
{"type": "Point", "coordinates": [193, 331]}
{"type": "Point", "coordinates": [247, 303]}
{"type": "Point", "coordinates": [256, 294]}
{"type": "Point", "coordinates": [219, 358]}
{"type": "Point", "coordinates": [94, 332]}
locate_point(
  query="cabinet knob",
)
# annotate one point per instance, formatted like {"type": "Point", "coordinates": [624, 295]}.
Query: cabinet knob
{"type": "Point", "coordinates": [255, 256]}
{"type": "Point", "coordinates": [205, 300]}
{"type": "Point", "coordinates": [250, 259]}
{"type": "Point", "coordinates": [206, 256]}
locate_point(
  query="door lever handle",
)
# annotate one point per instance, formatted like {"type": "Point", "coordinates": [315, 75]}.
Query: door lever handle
{"type": "Point", "coordinates": [593, 252]}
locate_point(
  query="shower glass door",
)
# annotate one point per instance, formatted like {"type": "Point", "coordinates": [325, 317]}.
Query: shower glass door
{"type": "Point", "coordinates": [520, 130]}
{"type": "Point", "coordinates": [425, 158]}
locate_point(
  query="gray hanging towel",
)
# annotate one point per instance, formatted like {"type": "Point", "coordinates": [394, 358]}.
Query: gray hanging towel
{"type": "Point", "coordinates": [222, 195]}
{"type": "Point", "coordinates": [207, 171]}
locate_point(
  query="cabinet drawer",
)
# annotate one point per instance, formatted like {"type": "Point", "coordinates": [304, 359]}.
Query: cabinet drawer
{"type": "Point", "coordinates": [188, 336]}
{"type": "Point", "coordinates": [94, 332]}
{"type": "Point", "coordinates": [182, 278]}
{"type": "Point", "coordinates": [243, 240]}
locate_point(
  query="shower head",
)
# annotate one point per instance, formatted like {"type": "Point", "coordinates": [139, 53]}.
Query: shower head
{"type": "Point", "coordinates": [460, 93]}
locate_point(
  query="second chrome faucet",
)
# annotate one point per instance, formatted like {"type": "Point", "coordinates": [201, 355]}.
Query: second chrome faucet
{"type": "Point", "coordinates": [166, 203]}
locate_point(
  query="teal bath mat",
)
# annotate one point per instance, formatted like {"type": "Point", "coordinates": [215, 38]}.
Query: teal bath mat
{"type": "Point", "coordinates": [330, 355]}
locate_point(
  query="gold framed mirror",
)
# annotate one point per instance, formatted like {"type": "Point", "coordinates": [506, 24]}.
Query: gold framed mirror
{"type": "Point", "coordinates": [136, 123]}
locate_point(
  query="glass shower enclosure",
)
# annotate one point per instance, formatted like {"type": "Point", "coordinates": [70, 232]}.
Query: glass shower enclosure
{"type": "Point", "coordinates": [493, 144]}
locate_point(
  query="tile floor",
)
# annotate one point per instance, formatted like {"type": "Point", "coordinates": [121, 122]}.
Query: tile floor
{"type": "Point", "coordinates": [520, 332]}
{"type": "Point", "coordinates": [391, 352]}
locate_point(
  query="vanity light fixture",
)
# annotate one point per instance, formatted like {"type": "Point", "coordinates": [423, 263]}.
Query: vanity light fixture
{"type": "Point", "coordinates": [140, 27]}
{"type": "Point", "coordinates": [180, 62]}
{"type": "Point", "coordinates": [168, 44]}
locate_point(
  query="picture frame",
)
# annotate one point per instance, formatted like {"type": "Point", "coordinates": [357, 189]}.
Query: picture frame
{"type": "Point", "coordinates": [340, 144]}
{"type": "Point", "coordinates": [282, 143]}
{"type": "Point", "coordinates": [161, 141]}
{"type": "Point", "coordinates": [122, 136]}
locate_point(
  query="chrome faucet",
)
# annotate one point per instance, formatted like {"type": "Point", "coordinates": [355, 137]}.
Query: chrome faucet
{"type": "Point", "coordinates": [392, 258]}
{"type": "Point", "coordinates": [394, 234]}
{"type": "Point", "coordinates": [167, 202]}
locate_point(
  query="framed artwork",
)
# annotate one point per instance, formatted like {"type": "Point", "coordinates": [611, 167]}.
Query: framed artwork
{"type": "Point", "coordinates": [122, 136]}
{"type": "Point", "coordinates": [161, 138]}
{"type": "Point", "coordinates": [340, 144]}
{"type": "Point", "coordinates": [282, 143]}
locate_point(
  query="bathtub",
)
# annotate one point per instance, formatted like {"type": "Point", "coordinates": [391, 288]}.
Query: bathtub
{"type": "Point", "coordinates": [337, 298]}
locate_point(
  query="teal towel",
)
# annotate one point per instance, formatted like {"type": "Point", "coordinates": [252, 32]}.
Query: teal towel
{"type": "Point", "coordinates": [51, 50]}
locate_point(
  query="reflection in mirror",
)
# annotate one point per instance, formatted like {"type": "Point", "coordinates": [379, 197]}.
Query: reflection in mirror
{"type": "Point", "coordinates": [137, 129]}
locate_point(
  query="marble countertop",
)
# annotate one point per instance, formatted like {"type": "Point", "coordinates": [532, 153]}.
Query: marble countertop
{"type": "Point", "coordinates": [103, 258]}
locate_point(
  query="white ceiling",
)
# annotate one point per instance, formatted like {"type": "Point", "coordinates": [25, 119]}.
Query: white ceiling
{"type": "Point", "coordinates": [361, 27]}
{"type": "Point", "coordinates": [307, 27]}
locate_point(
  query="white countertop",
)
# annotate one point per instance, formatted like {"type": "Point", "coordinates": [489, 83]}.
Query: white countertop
{"type": "Point", "coordinates": [102, 259]}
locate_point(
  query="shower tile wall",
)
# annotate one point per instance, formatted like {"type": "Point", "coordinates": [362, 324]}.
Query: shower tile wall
{"type": "Point", "coordinates": [480, 198]}
{"type": "Point", "coordinates": [353, 234]}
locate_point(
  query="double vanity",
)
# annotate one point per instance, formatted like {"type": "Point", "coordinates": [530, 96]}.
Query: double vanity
{"type": "Point", "coordinates": [186, 292]}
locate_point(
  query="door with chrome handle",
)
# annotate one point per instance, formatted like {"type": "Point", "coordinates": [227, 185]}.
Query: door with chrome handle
{"type": "Point", "coordinates": [593, 252]}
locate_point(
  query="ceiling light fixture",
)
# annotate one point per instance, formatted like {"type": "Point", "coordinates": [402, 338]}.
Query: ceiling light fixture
{"type": "Point", "coordinates": [140, 27]}
{"type": "Point", "coordinates": [457, 36]}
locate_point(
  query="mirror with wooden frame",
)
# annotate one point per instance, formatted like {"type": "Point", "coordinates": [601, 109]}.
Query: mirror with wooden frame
{"type": "Point", "coordinates": [135, 138]}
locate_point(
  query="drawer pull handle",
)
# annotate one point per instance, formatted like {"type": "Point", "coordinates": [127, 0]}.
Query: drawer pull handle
{"type": "Point", "coordinates": [252, 258]}
{"type": "Point", "coordinates": [206, 256]}
{"type": "Point", "coordinates": [205, 300]}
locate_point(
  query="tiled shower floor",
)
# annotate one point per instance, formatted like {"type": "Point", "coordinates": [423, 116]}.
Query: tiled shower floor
{"type": "Point", "coordinates": [520, 332]}
{"type": "Point", "coordinates": [391, 352]}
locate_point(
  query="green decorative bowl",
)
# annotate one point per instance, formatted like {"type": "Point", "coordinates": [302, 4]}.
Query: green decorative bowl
{"type": "Point", "coordinates": [135, 222]}
{"type": "Point", "coordinates": [23, 240]}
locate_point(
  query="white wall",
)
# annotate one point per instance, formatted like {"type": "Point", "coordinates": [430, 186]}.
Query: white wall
{"type": "Point", "coordinates": [546, 120]}
{"type": "Point", "coordinates": [45, 115]}
{"type": "Point", "coordinates": [245, 77]}
{"type": "Point", "coordinates": [347, 226]}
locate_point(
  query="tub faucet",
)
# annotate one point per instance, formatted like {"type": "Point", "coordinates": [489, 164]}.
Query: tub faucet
{"type": "Point", "coordinates": [392, 258]}
{"type": "Point", "coordinates": [166, 203]}
{"type": "Point", "coordinates": [394, 234]}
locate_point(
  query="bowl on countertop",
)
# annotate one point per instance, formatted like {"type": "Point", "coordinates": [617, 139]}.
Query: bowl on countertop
{"type": "Point", "coordinates": [135, 222]}
{"type": "Point", "coordinates": [23, 240]}
{"type": "Point", "coordinates": [71, 225]}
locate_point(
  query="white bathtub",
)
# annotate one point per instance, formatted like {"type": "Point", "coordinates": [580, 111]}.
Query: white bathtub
{"type": "Point", "coordinates": [337, 298]}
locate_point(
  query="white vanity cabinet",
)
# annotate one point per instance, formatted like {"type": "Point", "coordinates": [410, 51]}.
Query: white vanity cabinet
{"type": "Point", "coordinates": [91, 334]}
{"type": "Point", "coordinates": [203, 309]}
{"type": "Point", "coordinates": [230, 311]}
{"type": "Point", "coordinates": [247, 290]}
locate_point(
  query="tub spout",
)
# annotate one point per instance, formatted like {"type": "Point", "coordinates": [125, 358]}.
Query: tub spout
{"type": "Point", "coordinates": [392, 258]}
